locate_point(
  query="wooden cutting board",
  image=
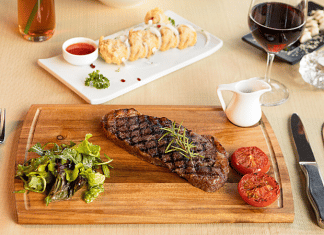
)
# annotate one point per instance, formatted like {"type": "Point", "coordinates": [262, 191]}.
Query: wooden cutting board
{"type": "Point", "coordinates": [139, 192]}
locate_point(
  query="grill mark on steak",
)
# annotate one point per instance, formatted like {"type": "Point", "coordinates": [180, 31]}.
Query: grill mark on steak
{"type": "Point", "coordinates": [139, 134]}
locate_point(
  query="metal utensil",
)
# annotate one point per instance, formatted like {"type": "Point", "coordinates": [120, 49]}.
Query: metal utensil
{"type": "Point", "coordinates": [323, 132]}
{"type": "Point", "coordinates": [307, 162]}
{"type": "Point", "coordinates": [2, 124]}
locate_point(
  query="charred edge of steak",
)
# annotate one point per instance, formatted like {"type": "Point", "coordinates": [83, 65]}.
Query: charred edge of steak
{"type": "Point", "coordinates": [139, 135]}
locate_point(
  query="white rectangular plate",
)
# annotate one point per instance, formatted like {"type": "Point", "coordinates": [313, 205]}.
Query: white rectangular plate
{"type": "Point", "coordinates": [147, 70]}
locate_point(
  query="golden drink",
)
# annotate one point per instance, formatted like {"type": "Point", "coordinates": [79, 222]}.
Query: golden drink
{"type": "Point", "coordinates": [36, 19]}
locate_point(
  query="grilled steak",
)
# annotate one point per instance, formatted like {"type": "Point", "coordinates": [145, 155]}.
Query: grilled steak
{"type": "Point", "coordinates": [140, 135]}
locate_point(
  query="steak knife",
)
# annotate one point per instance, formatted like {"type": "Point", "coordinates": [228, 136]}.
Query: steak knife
{"type": "Point", "coordinates": [307, 162]}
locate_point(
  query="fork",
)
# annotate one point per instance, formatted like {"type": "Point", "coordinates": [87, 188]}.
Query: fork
{"type": "Point", "coordinates": [2, 124]}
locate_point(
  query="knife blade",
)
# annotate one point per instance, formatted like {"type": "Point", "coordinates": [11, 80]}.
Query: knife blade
{"type": "Point", "coordinates": [307, 162]}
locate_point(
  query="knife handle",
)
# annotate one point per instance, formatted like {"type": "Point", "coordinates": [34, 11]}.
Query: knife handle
{"type": "Point", "coordinates": [315, 190]}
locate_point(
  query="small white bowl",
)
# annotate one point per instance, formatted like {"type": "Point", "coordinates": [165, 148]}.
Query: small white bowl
{"type": "Point", "coordinates": [122, 3]}
{"type": "Point", "coordinates": [80, 59]}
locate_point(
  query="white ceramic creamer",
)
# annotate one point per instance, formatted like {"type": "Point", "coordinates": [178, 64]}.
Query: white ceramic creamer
{"type": "Point", "coordinates": [244, 109]}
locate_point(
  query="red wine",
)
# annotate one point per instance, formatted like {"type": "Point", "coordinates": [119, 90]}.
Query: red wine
{"type": "Point", "coordinates": [276, 25]}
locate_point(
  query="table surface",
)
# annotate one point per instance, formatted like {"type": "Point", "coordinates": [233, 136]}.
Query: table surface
{"type": "Point", "coordinates": [23, 83]}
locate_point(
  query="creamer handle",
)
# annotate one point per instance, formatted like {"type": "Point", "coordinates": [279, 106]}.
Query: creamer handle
{"type": "Point", "coordinates": [220, 88]}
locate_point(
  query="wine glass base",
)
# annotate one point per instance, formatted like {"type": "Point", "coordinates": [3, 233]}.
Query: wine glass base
{"type": "Point", "coordinates": [278, 94]}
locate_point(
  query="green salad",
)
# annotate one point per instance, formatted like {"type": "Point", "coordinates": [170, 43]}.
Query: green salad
{"type": "Point", "coordinates": [62, 170]}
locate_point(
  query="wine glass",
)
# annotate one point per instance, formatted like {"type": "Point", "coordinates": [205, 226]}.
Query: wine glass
{"type": "Point", "coordinates": [275, 25]}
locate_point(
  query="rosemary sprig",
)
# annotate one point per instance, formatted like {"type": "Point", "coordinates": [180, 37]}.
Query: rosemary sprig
{"type": "Point", "coordinates": [179, 142]}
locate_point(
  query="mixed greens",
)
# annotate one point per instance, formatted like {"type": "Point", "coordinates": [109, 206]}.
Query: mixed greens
{"type": "Point", "coordinates": [62, 170]}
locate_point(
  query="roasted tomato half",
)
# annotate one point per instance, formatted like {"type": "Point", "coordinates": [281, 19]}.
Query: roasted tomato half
{"type": "Point", "coordinates": [258, 189]}
{"type": "Point", "coordinates": [248, 160]}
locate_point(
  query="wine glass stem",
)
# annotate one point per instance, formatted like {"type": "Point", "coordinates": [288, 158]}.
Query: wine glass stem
{"type": "Point", "coordinates": [270, 58]}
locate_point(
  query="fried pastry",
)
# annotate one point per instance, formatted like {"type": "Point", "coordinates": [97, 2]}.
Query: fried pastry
{"type": "Point", "coordinates": [138, 49]}
{"type": "Point", "coordinates": [188, 36]}
{"type": "Point", "coordinates": [113, 51]}
{"type": "Point", "coordinates": [143, 42]}
{"type": "Point", "coordinates": [152, 41]}
{"type": "Point", "coordinates": [156, 16]}
{"type": "Point", "coordinates": [170, 38]}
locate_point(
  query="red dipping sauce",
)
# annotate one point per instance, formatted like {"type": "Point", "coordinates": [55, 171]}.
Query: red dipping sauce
{"type": "Point", "coordinates": [80, 48]}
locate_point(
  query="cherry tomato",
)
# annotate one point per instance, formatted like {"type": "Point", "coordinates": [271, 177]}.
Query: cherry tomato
{"type": "Point", "coordinates": [248, 160]}
{"type": "Point", "coordinates": [258, 189]}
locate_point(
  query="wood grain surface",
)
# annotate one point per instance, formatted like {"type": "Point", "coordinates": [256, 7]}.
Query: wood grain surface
{"type": "Point", "coordinates": [139, 192]}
